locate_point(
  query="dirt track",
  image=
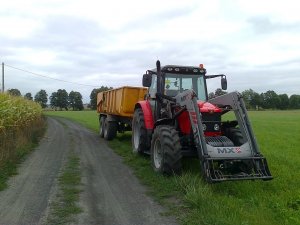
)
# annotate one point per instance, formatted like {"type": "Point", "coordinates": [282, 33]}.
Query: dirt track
{"type": "Point", "coordinates": [111, 193]}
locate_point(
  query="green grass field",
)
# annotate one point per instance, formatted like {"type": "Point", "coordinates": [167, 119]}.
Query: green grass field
{"type": "Point", "coordinates": [192, 201]}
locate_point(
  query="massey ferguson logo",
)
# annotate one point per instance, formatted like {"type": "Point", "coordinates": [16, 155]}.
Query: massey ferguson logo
{"type": "Point", "coordinates": [229, 150]}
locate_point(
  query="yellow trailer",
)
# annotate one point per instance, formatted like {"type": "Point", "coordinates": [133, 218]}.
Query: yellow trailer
{"type": "Point", "coordinates": [116, 108]}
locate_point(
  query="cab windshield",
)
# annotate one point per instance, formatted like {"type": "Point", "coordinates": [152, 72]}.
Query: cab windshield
{"type": "Point", "coordinates": [176, 83]}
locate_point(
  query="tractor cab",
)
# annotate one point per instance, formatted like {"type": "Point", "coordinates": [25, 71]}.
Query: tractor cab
{"type": "Point", "coordinates": [172, 80]}
{"type": "Point", "coordinates": [176, 79]}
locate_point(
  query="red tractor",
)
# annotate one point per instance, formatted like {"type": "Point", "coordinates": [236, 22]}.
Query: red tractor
{"type": "Point", "coordinates": [176, 119]}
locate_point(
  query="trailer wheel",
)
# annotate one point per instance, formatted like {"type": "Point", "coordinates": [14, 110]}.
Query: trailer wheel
{"type": "Point", "coordinates": [139, 134]}
{"type": "Point", "coordinates": [110, 129]}
{"type": "Point", "coordinates": [166, 150]}
{"type": "Point", "coordinates": [235, 135]}
{"type": "Point", "coordinates": [101, 126]}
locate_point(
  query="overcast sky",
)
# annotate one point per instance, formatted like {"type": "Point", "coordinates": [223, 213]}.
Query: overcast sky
{"type": "Point", "coordinates": [112, 43]}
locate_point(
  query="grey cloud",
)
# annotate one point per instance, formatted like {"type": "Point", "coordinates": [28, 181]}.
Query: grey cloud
{"type": "Point", "coordinates": [264, 25]}
{"type": "Point", "coordinates": [76, 41]}
{"type": "Point", "coordinates": [155, 19]}
{"type": "Point", "coordinates": [170, 52]}
{"type": "Point", "coordinates": [282, 64]}
{"type": "Point", "coordinates": [63, 33]}
{"type": "Point", "coordinates": [4, 49]}
{"type": "Point", "coordinates": [70, 32]}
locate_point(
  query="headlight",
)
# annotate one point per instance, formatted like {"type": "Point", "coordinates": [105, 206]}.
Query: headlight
{"type": "Point", "coordinates": [216, 127]}
{"type": "Point", "coordinates": [204, 126]}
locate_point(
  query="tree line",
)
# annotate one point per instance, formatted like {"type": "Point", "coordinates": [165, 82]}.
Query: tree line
{"type": "Point", "coordinates": [61, 99]}
{"type": "Point", "coordinates": [265, 100]}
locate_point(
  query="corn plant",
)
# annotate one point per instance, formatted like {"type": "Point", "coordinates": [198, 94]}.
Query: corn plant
{"type": "Point", "coordinates": [19, 118]}
{"type": "Point", "coordinates": [17, 112]}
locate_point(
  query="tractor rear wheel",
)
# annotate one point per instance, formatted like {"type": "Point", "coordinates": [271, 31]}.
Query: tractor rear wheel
{"type": "Point", "coordinates": [139, 133]}
{"type": "Point", "coordinates": [110, 129]}
{"type": "Point", "coordinates": [166, 150]}
{"type": "Point", "coordinates": [101, 126]}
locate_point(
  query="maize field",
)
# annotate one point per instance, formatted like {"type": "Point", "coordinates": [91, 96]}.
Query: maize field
{"type": "Point", "coordinates": [20, 121]}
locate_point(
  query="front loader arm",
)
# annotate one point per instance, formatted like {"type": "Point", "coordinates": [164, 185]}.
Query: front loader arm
{"type": "Point", "coordinates": [188, 99]}
{"type": "Point", "coordinates": [235, 102]}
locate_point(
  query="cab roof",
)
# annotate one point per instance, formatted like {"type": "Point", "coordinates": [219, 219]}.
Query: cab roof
{"type": "Point", "coordinates": [180, 70]}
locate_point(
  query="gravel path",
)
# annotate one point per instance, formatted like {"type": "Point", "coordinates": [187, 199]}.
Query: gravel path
{"type": "Point", "coordinates": [111, 194]}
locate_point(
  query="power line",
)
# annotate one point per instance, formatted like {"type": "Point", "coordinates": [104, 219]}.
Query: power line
{"type": "Point", "coordinates": [41, 75]}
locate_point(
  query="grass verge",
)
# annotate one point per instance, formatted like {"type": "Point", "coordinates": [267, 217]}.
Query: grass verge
{"type": "Point", "coordinates": [65, 205]}
{"type": "Point", "coordinates": [230, 203]}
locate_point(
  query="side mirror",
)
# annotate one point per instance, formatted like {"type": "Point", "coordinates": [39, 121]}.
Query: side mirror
{"type": "Point", "coordinates": [147, 80]}
{"type": "Point", "coordinates": [224, 83]}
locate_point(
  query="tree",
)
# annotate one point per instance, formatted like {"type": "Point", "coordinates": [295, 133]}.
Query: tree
{"type": "Point", "coordinates": [14, 92]}
{"type": "Point", "coordinates": [28, 96]}
{"type": "Point", "coordinates": [53, 100]}
{"type": "Point", "coordinates": [211, 95]}
{"type": "Point", "coordinates": [283, 101]}
{"type": "Point", "coordinates": [62, 99]}
{"type": "Point", "coordinates": [71, 99]}
{"type": "Point", "coordinates": [270, 99]}
{"type": "Point", "coordinates": [75, 100]}
{"type": "Point", "coordinates": [219, 92]}
{"type": "Point", "coordinates": [295, 101]}
{"type": "Point", "coordinates": [251, 98]}
{"type": "Point", "coordinates": [42, 98]}
{"type": "Point", "coordinates": [93, 95]}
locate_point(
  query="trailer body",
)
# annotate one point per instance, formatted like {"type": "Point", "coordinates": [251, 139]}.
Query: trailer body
{"type": "Point", "coordinates": [120, 101]}
{"type": "Point", "coordinates": [116, 108]}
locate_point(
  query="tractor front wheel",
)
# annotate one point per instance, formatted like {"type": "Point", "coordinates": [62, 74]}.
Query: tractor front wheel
{"type": "Point", "coordinates": [166, 150]}
{"type": "Point", "coordinates": [236, 136]}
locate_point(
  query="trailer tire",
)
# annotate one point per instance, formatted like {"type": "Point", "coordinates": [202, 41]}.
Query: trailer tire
{"type": "Point", "coordinates": [166, 150]}
{"type": "Point", "coordinates": [101, 126]}
{"type": "Point", "coordinates": [235, 135]}
{"type": "Point", "coordinates": [110, 129]}
{"type": "Point", "coordinates": [139, 133]}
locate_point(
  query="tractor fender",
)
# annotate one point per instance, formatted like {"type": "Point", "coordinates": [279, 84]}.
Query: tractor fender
{"type": "Point", "coordinates": [147, 111]}
{"type": "Point", "coordinates": [165, 121]}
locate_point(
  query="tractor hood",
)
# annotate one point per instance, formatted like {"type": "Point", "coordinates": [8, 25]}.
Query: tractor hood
{"type": "Point", "coordinates": [206, 107]}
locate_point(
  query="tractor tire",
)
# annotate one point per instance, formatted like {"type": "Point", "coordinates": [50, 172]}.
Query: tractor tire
{"type": "Point", "coordinates": [166, 150]}
{"type": "Point", "coordinates": [110, 129]}
{"type": "Point", "coordinates": [139, 133]}
{"type": "Point", "coordinates": [101, 126]}
{"type": "Point", "coordinates": [235, 135]}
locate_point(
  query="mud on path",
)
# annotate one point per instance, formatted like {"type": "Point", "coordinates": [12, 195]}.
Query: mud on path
{"type": "Point", "coordinates": [111, 194]}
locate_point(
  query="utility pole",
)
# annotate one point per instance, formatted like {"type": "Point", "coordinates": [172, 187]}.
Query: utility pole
{"type": "Point", "coordinates": [3, 77]}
